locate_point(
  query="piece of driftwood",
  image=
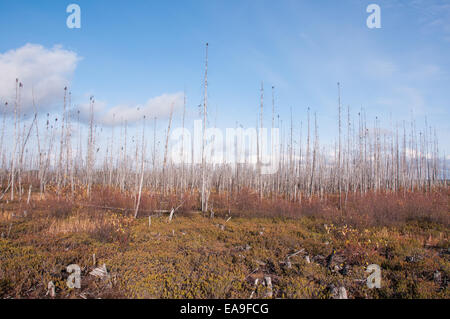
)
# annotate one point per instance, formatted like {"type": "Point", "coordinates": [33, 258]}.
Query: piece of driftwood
{"type": "Point", "coordinates": [171, 215]}
{"type": "Point", "coordinates": [156, 212]}
{"type": "Point", "coordinates": [296, 253]}
{"type": "Point", "coordinates": [108, 207]}
{"type": "Point", "coordinates": [338, 292]}
{"type": "Point", "coordinates": [173, 211]}
{"type": "Point", "coordinates": [269, 292]}
{"type": "Point", "coordinates": [51, 289]}
{"type": "Point", "coordinates": [82, 295]}
{"type": "Point", "coordinates": [100, 272]}
{"type": "Point", "coordinates": [287, 262]}
{"type": "Point", "coordinates": [255, 287]}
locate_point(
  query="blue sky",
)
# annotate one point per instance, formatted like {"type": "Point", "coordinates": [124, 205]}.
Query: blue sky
{"type": "Point", "coordinates": [131, 51]}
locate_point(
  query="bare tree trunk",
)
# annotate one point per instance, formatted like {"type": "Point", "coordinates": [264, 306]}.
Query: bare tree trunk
{"type": "Point", "coordinates": [16, 137]}
{"type": "Point", "coordinates": [142, 169]}
{"type": "Point", "coordinates": [205, 108]}
{"type": "Point", "coordinates": [90, 155]}
{"type": "Point", "coordinates": [166, 148]}
{"type": "Point", "coordinates": [340, 148]}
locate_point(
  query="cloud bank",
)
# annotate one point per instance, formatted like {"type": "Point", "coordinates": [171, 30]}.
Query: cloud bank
{"type": "Point", "coordinates": [158, 107]}
{"type": "Point", "coordinates": [43, 72]}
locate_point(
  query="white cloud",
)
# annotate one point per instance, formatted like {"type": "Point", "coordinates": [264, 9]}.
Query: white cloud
{"type": "Point", "coordinates": [155, 107]}
{"type": "Point", "coordinates": [84, 110]}
{"type": "Point", "coordinates": [43, 71]}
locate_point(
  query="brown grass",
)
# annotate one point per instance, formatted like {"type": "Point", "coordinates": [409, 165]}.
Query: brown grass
{"type": "Point", "coordinates": [192, 257]}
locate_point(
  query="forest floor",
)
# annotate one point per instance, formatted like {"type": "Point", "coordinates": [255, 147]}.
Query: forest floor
{"type": "Point", "coordinates": [196, 256]}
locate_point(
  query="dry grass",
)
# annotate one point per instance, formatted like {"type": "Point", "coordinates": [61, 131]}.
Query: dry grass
{"type": "Point", "coordinates": [193, 257]}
